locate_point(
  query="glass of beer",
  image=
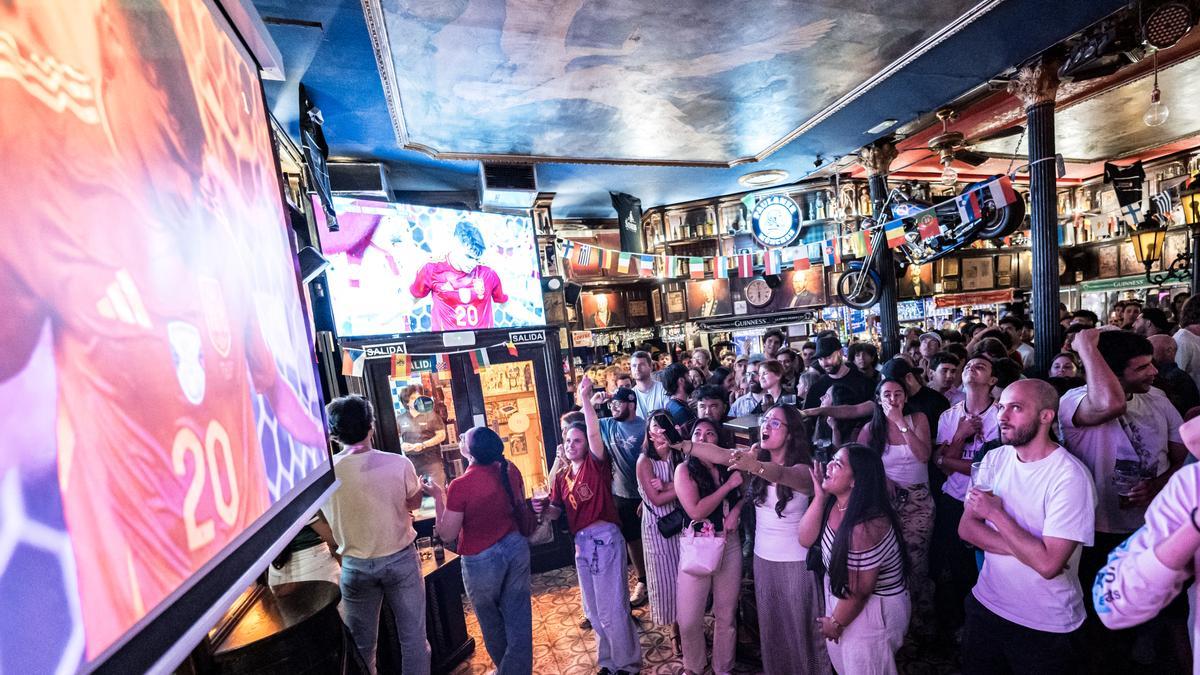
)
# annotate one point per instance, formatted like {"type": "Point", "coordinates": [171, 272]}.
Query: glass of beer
{"type": "Point", "coordinates": [425, 547]}
{"type": "Point", "coordinates": [1125, 480]}
{"type": "Point", "coordinates": [541, 493]}
{"type": "Point", "coordinates": [981, 478]}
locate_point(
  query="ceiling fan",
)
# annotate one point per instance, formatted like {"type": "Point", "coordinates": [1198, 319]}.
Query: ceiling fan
{"type": "Point", "coordinates": [952, 146]}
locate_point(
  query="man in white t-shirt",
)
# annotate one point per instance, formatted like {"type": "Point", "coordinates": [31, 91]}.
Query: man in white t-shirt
{"type": "Point", "coordinates": [370, 520]}
{"type": "Point", "coordinates": [650, 393]}
{"type": "Point", "coordinates": [963, 432]}
{"type": "Point", "coordinates": [1187, 356]}
{"type": "Point", "coordinates": [1127, 433]}
{"type": "Point", "coordinates": [1032, 509]}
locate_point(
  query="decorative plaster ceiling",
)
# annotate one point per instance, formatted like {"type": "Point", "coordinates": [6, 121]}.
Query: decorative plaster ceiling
{"type": "Point", "coordinates": [685, 82]}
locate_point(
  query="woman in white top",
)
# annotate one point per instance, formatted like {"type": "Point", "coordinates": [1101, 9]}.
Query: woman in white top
{"type": "Point", "coordinates": [786, 591]}
{"type": "Point", "coordinates": [656, 483]}
{"type": "Point", "coordinates": [902, 441]}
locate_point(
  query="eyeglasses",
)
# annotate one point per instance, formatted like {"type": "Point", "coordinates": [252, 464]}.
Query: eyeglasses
{"type": "Point", "coordinates": [771, 423]}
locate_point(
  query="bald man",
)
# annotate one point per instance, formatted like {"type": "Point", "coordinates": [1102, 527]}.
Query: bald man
{"type": "Point", "coordinates": [1179, 387]}
{"type": "Point", "coordinates": [1031, 509]}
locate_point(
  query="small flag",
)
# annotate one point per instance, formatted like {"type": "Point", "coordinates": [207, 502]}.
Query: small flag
{"type": "Point", "coordinates": [512, 349]}
{"type": "Point", "coordinates": [474, 361]}
{"type": "Point", "coordinates": [857, 244]}
{"type": "Point", "coordinates": [968, 207]}
{"type": "Point", "coordinates": [353, 362]}
{"type": "Point", "coordinates": [927, 225]}
{"type": "Point", "coordinates": [800, 259]}
{"type": "Point", "coordinates": [623, 263]}
{"type": "Point", "coordinates": [894, 233]}
{"type": "Point", "coordinates": [443, 363]}
{"type": "Point", "coordinates": [831, 255]}
{"type": "Point", "coordinates": [585, 256]}
{"type": "Point", "coordinates": [745, 265]}
{"type": "Point", "coordinates": [771, 263]}
{"type": "Point", "coordinates": [400, 367]}
{"type": "Point", "coordinates": [1134, 211]}
{"type": "Point", "coordinates": [721, 267]}
{"type": "Point", "coordinates": [606, 258]}
{"type": "Point", "coordinates": [1002, 192]}
{"type": "Point", "coordinates": [696, 267]}
{"type": "Point", "coordinates": [645, 266]}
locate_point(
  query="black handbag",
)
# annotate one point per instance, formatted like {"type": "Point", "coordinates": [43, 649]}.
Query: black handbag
{"type": "Point", "coordinates": [814, 560]}
{"type": "Point", "coordinates": [672, 524]}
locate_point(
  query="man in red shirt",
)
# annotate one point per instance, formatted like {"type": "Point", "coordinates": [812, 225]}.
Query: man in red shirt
{"type": "Point", "coordinates": [135, 197]}
{"type": "Point", "coordinates": [584, 491]}
{"type": "Point", "coordinates": [463, 290]}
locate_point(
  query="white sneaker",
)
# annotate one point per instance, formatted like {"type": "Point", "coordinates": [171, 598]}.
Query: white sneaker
{"type": "Point", "coordinates": [639, 596]}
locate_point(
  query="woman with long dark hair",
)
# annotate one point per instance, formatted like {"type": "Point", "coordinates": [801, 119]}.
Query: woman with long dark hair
{"type": "Point", "coordinates": [865, 569]}
{"type": "Point", "coordinates": [786, 590]}
{"type": "Point", "coordinates": [709, 494]}
{"type": "Point", "coordinates": [656, 483]}
{"type": "Point", "coordinates": [484, 509]}
{"type": "Point", "coordinates": [902, 442]}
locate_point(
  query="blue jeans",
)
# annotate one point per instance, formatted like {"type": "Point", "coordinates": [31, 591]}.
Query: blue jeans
{"type": "Point", "coordinates": [604, 584]}
{"type": "Point", "coordinates": [497, 581]}
{"type": "Point", "coordinates": [397, 577]}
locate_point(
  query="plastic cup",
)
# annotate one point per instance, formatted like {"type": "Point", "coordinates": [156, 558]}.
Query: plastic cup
{"type": "Point", "coordinates": [981, 478]}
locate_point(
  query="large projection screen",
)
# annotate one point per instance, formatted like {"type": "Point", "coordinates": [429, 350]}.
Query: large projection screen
{"type": "Point", "coordinates": [163, 427]}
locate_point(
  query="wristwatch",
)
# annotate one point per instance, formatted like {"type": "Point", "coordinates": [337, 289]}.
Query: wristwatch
{"type": "Point", "coordinates": [903, 430]}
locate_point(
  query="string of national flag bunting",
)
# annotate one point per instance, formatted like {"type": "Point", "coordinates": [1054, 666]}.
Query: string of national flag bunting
{"type": "Point", "coordinates": [829, 252]}
{"type": "Point", "coordinates": [354, 360]}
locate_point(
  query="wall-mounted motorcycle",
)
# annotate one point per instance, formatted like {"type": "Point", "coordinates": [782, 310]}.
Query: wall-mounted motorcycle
{"type": "Point", "coordinates": [860, 286]}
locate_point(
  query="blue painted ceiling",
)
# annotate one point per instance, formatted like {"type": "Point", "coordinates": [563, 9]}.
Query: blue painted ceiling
{"type": "Point", "coordinates": [326, 45]}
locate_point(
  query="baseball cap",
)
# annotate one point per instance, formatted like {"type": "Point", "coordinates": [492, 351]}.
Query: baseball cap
{"type": "Point", "coordinates": [931, 336]}
{"type": "Point", "coordinates": [624, 394]}
{"type": "Point", "coordinates": [757, 358]}
{"type": "Point", "coordinates": [827, 345]}
{"type": "Point", "coordinates": [896, 369]}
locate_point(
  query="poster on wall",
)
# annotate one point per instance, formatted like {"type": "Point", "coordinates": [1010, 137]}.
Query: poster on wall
{"type": "Point", "coordinates": [602, 309]}
{"type": "Point", "coordinates": [674, 302]}
{"type": "Point", "coordinates": [708, 298]}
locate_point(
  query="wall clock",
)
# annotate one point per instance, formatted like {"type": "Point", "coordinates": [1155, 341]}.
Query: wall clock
{"type": "Point", "coordinates": [758, 293]}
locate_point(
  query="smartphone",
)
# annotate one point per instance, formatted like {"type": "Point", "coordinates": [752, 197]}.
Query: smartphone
{"type": "Point", "coordinates": [664, 422]}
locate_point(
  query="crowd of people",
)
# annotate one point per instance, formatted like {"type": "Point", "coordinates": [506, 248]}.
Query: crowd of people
{"type": "Point", "coordinates": [1038, 522]}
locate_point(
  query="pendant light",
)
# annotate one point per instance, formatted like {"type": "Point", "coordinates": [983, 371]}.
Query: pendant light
{"type": "Point", "coordinates": [1158, 112]}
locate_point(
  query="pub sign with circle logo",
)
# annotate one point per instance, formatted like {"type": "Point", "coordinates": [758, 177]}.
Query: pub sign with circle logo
{"type": "Point", "coordinates": [775, 221]}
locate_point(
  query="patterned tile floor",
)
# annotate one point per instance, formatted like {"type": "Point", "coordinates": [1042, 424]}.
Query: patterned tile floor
{"type": "Point", "coordinates": [560, 646]}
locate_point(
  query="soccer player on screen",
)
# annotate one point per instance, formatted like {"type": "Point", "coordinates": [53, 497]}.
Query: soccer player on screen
{"type": "Point", "coordinates": [129, 198]}
{"type": "Point", "coordinates": [463, 290]}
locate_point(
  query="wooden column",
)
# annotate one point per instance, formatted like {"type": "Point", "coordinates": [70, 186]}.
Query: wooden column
{"type": "Point", "coordinates": [877, 159]}
{"type": "Point", "coordinates": [1035, 85]}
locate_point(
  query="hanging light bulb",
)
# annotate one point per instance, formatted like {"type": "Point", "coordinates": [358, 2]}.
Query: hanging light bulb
{"type": "Point", "coordinates": [949, 175]}
{"type": "Point", "coordinates": [1158, 112]}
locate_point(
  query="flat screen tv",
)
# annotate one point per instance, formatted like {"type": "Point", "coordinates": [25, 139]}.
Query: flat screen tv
{"type": "Point", "coordinates": [164, 432]}
{"type": "Point", "coordinates": [402, 268]}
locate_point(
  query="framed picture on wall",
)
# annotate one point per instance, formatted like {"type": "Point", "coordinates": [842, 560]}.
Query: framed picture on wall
{"type": "Point", "coordinates": [1004, 270]}
{"type": "Point", "coordinates": [917, 281]}
{"type": "Point", "coordinates": [1174, 245]}
{"type": "Point", "coordinates": [638, 309]}
{"type": "Point", "coordinates": [602, 310]}
{"type": "Point", "coordinates": [1107, 258]}
{"type": "Point", "coordinates": [978, 274]}
{"type": "Point", "coordinates": [708, 298]}
{"type": "Point", "coordinates": [1025, 269]}
{"type": "Point", "coordinates": [803, 288]}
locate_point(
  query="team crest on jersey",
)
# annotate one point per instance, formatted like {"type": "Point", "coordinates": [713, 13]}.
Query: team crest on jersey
{"type": "Point", "coordinates": [187, 353]}
{"type": "Point", "coordinates": [215, 316]}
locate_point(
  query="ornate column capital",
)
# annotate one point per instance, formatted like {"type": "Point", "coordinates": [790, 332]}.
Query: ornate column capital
{"type": "Point", "coordinates": [877, 157]}
{"type": "Point", "coordinates": [1036, 82]}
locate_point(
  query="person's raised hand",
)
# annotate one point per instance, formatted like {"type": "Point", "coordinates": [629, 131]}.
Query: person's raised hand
{"type": "Point", "coordinates": [1086, 340]}
{"type": "Point", "coordinates": [585, 390]}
